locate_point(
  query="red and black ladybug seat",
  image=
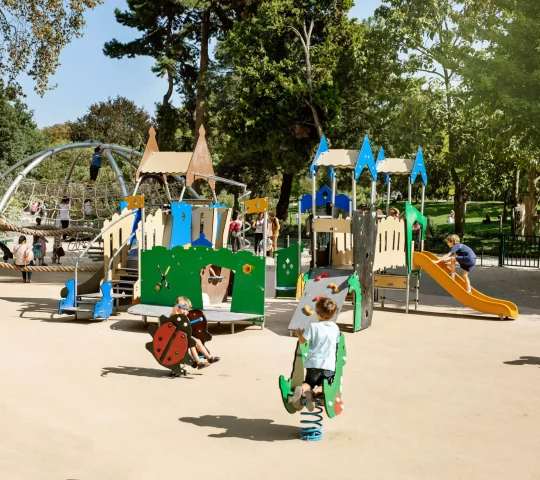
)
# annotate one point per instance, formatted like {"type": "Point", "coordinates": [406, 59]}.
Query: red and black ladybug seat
{"type": "Point", "coordinates": [171, 342]}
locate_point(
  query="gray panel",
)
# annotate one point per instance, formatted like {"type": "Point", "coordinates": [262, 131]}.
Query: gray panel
{"type": "Point", "coordinates": [211, 315]}
{"type": "Point", "coordinates": [364, 228]}
{"type": "Point", "coordinates": [320, 288]}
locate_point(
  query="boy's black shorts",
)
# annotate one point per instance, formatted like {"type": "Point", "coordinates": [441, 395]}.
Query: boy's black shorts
{"type": "Point", "coordinates": [94, 172]}
{"type": "Point", "coordinates": [316, 376]}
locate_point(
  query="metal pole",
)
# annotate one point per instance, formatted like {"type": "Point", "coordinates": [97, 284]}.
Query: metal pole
{"type": "Point", "coordinates": [407, 295]}
{"type": "Point", "coordinates": [265, 237]}
{"type": "Point", "coordinates": [410, 192]}
{"type": "Point", "coordinates": [299, 216]}
{"type": "Point", "coordinates": [423, 196]}
{"type": "Point", "coordinates": [118, 173]}
{"type": "Point", "coordinates": [313, 212]}
{"type": "Point", "coordinates": [388, 191]}
{"type": "Point", "coordinates": [373, 192]}
{"type": "Point", "coordinates": [353, 194]}
{"type": "Point", "coordinates": [182, 194]}
{"type": "Point", "coordinates": [334, 188]}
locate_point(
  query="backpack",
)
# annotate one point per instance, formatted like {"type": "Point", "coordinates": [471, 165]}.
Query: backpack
{"type": "Point", "coordinates": [234, 229]}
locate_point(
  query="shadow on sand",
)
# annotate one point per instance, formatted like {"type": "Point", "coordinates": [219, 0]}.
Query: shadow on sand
{"type": "Point", "coordinates": [259, 430]}
{"type": "Point", "coordinates": [527, 360]}
{"type": "Point", "coordinates": [140, 372]}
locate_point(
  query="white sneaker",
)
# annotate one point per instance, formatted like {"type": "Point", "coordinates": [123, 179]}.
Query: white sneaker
{"type": "Point", "coordinates": [297, 397]}
{"type": "Point", "coordinates": [310, 401]}
{"type": "Point", "coordinates": [453, 276]}
{"type": "Point", "coordinates": [469, 291]}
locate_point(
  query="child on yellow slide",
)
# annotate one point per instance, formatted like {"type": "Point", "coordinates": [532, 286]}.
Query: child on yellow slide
{"type": "Point", "coordinates": [461, 254]}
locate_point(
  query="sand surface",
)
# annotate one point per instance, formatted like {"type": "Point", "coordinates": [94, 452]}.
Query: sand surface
{"type": "Point", "coordinates": [439, 394]}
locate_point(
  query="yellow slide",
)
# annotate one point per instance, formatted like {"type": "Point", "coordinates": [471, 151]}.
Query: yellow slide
{"type": "Point", "coordinates": [475, 300]}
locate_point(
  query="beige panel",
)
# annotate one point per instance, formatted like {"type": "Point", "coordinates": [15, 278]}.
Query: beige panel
{"type": "Point", "coordinates": [201, 163]}
{"type": "Point", "coordinates": [151, 147]}
{"type": "Point", "coordinates": [167, 163]}
{"type": "Point", "coordinates": [113, 239]}
{"type": "Point", "coordinates": [396, 166]}
{"type": "Point", "coordinates": [298, 369]}
{"type": "Point", "coordinates": [338, 158]}
{"type": "Point", "coordinates": [342, 251]}
{"type": "Point", "coordinates": [154, 228]}
{"type": "Point", "coordinates": [332, 225]}
{"type": "Point", "coordinates": [210, 224]}
{"type": "Point", "coordinates": [223, 233]}
{"type": "Point", "coordinates": [398, 282]}
{"type": "Point", "coordinates": [390, 248]}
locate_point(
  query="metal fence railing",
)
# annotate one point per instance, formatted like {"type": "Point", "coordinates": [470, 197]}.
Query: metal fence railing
{"type": "Point", "coordinates": [519, 251]}
{"type": "Point", "coordinates": [487, 254]}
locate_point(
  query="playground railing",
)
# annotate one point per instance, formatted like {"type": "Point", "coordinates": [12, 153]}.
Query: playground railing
{"type": "Point", "coordinates": [519, 251]}
{"type": "Point", "coordinates": [487, 254]}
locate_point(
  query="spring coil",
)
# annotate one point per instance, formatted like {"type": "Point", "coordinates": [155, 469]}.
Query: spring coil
{"type": "Point", "coordinates": [313, 430]}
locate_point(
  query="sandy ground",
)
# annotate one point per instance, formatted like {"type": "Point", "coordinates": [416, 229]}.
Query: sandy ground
{"type": "Point", "coordinates": [438, 394]}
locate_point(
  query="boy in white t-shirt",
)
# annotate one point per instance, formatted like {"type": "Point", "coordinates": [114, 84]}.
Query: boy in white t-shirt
{"type": "Point", "coordinates": [323, 338]}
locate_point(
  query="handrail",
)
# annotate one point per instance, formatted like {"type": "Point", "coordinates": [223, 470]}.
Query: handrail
{"type": "Point", "coordinates": [96, 238]}
{"type": "Point", "coordinates": [120, 248]}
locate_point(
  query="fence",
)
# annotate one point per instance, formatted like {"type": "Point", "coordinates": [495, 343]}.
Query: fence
{"type": "Point", "coordinates": [487, 254]}
{"type": "Point", "coordinates": [519, 251]}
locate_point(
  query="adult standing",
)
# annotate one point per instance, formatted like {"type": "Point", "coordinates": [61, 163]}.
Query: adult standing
{"type": "Point", "coordinates": [258, 226]}
{"type": "Point", "coordinates": [274, 228]}
{"type": "Point", "coordinates": [234, 231]}
{"type": "Point", "coordinates": [24, 257]}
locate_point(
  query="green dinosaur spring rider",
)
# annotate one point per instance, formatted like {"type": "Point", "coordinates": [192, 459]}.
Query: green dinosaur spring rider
{"type": "Point", "coordinates": [331, 399]}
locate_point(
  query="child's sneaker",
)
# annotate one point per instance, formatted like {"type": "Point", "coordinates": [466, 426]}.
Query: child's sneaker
{"type": "Point", "coordinates": [310, 401]}
{"type": "Point", "coordinates": [297, 397]}
{"type": "Point", "coordinates": [453, 276]}
{"type": "Point", "coordinates": [469, 291]}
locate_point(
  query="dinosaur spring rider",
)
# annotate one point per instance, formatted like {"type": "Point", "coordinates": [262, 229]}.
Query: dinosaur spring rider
{"type": "Point", "coordinates": [331, 398]}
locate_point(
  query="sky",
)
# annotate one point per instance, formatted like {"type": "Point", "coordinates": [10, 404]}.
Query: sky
{"type": "Point", "coordinates": [85, 76]}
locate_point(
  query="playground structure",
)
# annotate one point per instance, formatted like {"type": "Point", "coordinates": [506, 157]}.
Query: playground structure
{"type": "Point", "coordinates": [178, 250]}
{"type": "Point", "coordinates": [360, 255]}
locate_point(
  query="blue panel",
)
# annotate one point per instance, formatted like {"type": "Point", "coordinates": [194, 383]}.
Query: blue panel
{"type": "Point", "coordinates": [123, 204]}
{"type": "Point", "coordinates": [136, 221]}
{"type": "Point", "coordinates": [343, 202]}
{"type": "Point", "coordinates": [324, 195]}
{"type": "Point", "coordinates": [365, 159]}
{"type": "Point", "coordinates": [202, 241]}
{"type": "Point", "coordinates": [380, 157]}
{"type": "Point", "coordinates": [104, 308]}
{"type": "Point", "coordinates": [69, 301]}
{"type": "Point", "coordinates": [323, 147]}
{"type": "Point", "coordinates": [419, 167]}
{"type": "Point", "coordinates": [181, 227]}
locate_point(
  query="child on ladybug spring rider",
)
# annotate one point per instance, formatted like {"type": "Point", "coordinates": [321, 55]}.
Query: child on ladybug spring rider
{"type": "Point", "coordinates": [182, 307]}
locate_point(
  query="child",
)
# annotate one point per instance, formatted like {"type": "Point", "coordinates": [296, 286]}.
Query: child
{"type": "Point", "coordinates": [40, 246]}
{"type": "Point", "coordinates": [182, 307]}
{"type": "Point", "coordinates": [461, 254]}
{"type": "Point", "coordinates": [95, 165]}
{"type": "Point", "coordinates": [323, 338]}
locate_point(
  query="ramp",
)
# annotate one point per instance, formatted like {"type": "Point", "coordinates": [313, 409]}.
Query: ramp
{"type": "Point", "coordinates": [320, 288]}
{"type": "Point", "coordinates": [475, 300]}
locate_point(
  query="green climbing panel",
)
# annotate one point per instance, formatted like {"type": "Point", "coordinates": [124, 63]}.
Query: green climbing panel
{"type": "Point", "coordinates": [181, 268]}
{"type": "Point", "coordinates": [333, 400]}
{"type": "Point", "coordinates": [287, 270]}
{"type": "Point", "coordinates": [354, 287]}
{"type": "Point", "coordinates": [413, 215]}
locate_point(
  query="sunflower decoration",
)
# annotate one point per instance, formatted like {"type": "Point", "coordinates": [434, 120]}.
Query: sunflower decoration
{"type": "Point", "coordinates": [247, 268]}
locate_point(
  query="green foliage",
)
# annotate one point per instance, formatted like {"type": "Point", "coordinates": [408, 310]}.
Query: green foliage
{"type": "Point", "coordinates": [19, 135]}
{"type": "Point", "coordinates": [117, 121]}
{"type": "Point", "coordinates": [34, 32]}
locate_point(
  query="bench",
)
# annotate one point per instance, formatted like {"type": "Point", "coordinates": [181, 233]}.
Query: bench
{"type": "Point", "coordinates": [212, 315]}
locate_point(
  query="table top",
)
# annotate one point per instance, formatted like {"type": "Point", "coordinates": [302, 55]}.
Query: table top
{"type": "Point", "coordinates": [212, 315]}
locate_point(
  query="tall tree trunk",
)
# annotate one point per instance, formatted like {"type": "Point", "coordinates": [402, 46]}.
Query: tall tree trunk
{"type": "Point", "coordinates": [282, 208]}
{"type": "Point", "coordinates": [515, 201]}
{"type": "Point", "coordinates": [460, 203]}
{"type": "Point", "coordinates": [531, 204]}
{"type": "Point", "coordinates": [170, 80]}
{"type": "Point", "coordinates": [203, 69]}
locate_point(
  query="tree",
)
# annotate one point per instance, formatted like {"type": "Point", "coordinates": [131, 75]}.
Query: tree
{"type": "Point", "coordinates": [506, 74]}
{"type": "Point", "coordinates": [269, 95]}
{"type": "Point", "coordinates": [117, 121]}
{"type": "Point", "coordinates": [19, 135]}
{"type": "Point", "coordinates": [34, 32]}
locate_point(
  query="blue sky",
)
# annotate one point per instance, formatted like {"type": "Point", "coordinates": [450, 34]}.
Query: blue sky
{"type": "Point", "coordinates": [86, 76]}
